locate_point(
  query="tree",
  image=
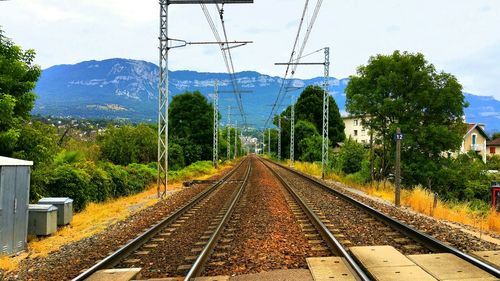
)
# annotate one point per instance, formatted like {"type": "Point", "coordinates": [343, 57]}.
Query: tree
{"type": "Point", "coordinates": [309, 107]}
{"type": "Point", "coordinates": [404, 90]}
{"type": "Point", "coordinates": [37, 142]}
{"type": "Point", "coordinates": [191, 122]}
{"type": "Point", "coordinates": [311, 148]}
{"type": "Point", "coordinates": [303, 130]}
{"type": "Point", "coordinates": [128, 144]}
{"type": "Point", "coordinates": [351, 156]}
{"type": "Point", "coordinates": [18, 76]}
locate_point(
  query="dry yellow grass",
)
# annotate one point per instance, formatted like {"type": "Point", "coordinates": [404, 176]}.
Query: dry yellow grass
{"type": "Point", "coordinates": [418, 199]}
{"type": "Point", "coordinates": [95, 218]}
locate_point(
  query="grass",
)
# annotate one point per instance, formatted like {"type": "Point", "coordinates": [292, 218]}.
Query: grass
{"type": "Point", "coordinates": [96, 217]}
{"type": "Point", "coordinates": [418, 199]}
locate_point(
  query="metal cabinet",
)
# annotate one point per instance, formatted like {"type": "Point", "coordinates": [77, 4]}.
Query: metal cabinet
{"type": "Point", "coordinates": [64, 208]}
{"type": "Point", "coordinates": [14, 199]}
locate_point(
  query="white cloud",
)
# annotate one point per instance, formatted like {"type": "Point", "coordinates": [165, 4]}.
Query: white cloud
{"type": "Point", "coordinates": [461, 37]}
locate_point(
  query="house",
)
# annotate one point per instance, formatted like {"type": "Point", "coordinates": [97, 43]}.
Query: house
{"type": "Point", "coordinates": [355, 130]}
{"type": "Point", "coordinates": [475, 140]}
{"type": "Point", "coordinates": [493, 147]}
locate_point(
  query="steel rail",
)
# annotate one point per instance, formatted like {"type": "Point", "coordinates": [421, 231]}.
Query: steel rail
{"type": "Point", "coordinates": [140, 240]}
{"type": "Point", "coordinates": [197, 267]}
{"type": "Point", "coordinates": [430, 242]}
{"type": "Point", "coordinates": [327, 235]}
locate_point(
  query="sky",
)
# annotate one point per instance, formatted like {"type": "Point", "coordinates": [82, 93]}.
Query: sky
{"type": "Point", "coordinates": [461, 37]}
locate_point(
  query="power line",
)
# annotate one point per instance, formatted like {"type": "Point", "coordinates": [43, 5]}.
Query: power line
{"type": "Point", "coordinates": [298, 55]}
{"type": "Point", "coordinates": [226, 53]}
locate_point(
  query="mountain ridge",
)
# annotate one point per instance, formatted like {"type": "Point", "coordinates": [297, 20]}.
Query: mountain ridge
{"type": "Point", "coordinates": [127, 89]}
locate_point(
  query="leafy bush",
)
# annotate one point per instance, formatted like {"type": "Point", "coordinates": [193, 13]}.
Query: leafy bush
{"type": "Point", "coordinates": [351, 156]}
{"type": "Point", "coordinates": [68, 181]}
{"type": "Point", "coordinates": [128, 144]}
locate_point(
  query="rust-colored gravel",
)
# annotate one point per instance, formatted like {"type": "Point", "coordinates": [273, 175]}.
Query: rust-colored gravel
{"type": "Point", "coordinates": [170, 251]}
{"type": "Point", "coordinates": [73, 258]}
{"type": "Point", "coordinates": [263, 232]}
{"type": "Point", "coordinates": [361, 229]}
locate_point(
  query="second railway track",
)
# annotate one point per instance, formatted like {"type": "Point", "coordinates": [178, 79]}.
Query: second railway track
{"type": "Point", "coordinates": [261, 217]}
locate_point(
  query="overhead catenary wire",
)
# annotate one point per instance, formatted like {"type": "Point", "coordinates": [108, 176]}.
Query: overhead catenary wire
{"type": "Point", "coordinates": [295, 54]}
{"type": "Point", "coordinates": [226, 54]}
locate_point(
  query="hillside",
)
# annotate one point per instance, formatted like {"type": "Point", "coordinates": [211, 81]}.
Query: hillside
{"type": "Point", "coordinates": [122, 88]}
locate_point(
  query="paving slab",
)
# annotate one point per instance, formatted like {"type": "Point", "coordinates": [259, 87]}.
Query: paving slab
{"type": "Point", "coordinates": [450, 267]}
{"type": "Point", "coordinates": [398, 273]}
{"type": "Point", "coordinates": [492, 257]}
{"type": "Point", "coordinates": [213, 278]}
{"type": "Point", "coordinates": [329, 268]}
{"type": "Point", "coordinates": [276, 275]}
{"type": "Point", "coordinates": [379, 256]}
{"type": "Point", "coordinates": [115, 274]}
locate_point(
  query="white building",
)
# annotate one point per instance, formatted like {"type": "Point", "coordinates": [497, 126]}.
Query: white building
{"type": "Point", "coordinates": [355, 130]}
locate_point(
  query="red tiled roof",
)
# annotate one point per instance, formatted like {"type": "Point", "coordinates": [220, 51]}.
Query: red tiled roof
{"type": "Point", "coordinates": [494, 142]}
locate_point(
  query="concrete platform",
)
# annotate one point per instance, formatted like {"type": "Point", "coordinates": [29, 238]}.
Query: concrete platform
{"type": "Point", "coordinates": [329, 268]}
{"type": "Point", "coordinates": [116, 274]}
{"type": "Point", "coordinates": [489, 256]}
{"type": "Point", "coordinates": [398, 273]}
{"type": "Point", "coordinates": [380, 256]}
{"type": "Point", "coordinates": [449, 267]}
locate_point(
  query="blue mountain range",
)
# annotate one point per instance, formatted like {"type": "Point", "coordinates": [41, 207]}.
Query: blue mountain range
{"type": "Point", "coordinates": [127, 89]}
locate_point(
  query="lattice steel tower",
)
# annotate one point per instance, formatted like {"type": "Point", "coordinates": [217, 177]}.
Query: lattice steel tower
{"type": "Point", "coordinates": [216, 126]}
{"type": "Point", "coordinates": [279, 137]}
{"type": "Point", "coordinates": [292, 133]}
{"type": "Point", "coordinates": [324, 147]}
{"type": "Point", "coordinates": [163, 102]}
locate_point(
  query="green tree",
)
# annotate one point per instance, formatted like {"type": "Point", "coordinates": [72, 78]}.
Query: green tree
{"type": "Point", "coordinates": [311, 148]}
{"type": "Point", "coordinates": [351, 156]}
{"type": "Point", "coordinates": [303, 130]}
{"type": "Point", "coordinates": [404, 90]}
{"type": "Point", "coordinates": [18, 76]}
{"type": "Point", "coordinates": [309, 107]}
{"type": "Point", "coordinates": [191, 122]}
{"type": "Point", "coordinates": [128, 144]}
{"type": "Point", "coordinates": [37, 142]}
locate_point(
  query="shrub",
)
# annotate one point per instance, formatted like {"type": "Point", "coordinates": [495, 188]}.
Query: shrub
{"type": "Point", "coordinates": [68, 181]}
{"type": "Point", "coordinates": [351, 155]}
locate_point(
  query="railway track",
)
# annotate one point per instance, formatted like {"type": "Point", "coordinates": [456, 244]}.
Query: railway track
{"type": "Point", "coordinates": [195, 219]}
{"type": "Point", "coordinates": [405, 238]}
{"type": "Point", "coordinates": [262, 216]}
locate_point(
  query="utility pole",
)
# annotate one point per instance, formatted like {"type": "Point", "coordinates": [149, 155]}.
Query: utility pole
{"type": "Point", "coordinates": [279, 137]}
{"type": "Point", "coordinates": [216, 126]}
{"type": "Point", "coordinates": [235, 140]}
{"type": "Point", "coordinates": [263, 140]}
{"type": "Point", "coordinates": [397, 173]}
{"type": "Point", "coordinates": [164, 48]}
{"type": "Point", "coordinates": [269, 142]}
{"type": "Point", "coordinates": [228, 133]}
{"type": "Point", "coordinates": [324, 147]}
{"type": "Point", "coordinates": [292, 133]}
{"type": "Point", "coordinates": [372, 160]}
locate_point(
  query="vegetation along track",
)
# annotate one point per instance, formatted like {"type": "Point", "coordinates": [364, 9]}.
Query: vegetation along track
{"type": "Point", "coordinates": [165, 248]}
{"type": "Point", "coordinates": [357, 224]}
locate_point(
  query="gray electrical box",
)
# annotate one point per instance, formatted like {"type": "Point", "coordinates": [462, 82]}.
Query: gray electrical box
{"type": "Point", "coordinates": [64, 208]}
{"type": "Point", "coordinates": [42, 219]}
{"type": "Point", "coordinates": [14, 199]}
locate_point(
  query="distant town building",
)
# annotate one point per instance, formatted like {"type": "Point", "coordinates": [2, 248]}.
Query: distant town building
{"type": "Point", "coordinates": [355, 130]}
{"type": "Point", "coordinates": [493, 147]}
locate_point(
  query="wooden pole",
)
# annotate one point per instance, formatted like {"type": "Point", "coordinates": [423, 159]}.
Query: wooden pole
{"type": "Point", "coordinates": [398, 168]}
